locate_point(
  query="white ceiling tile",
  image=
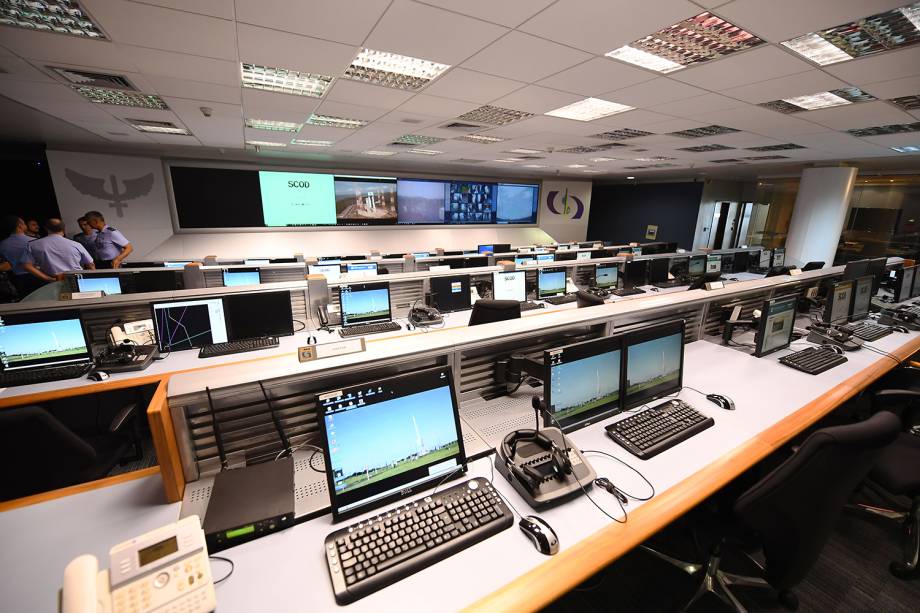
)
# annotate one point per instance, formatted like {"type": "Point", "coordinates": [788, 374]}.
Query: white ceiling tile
{"type": "Point", "coordinates": [430, 33]}
{"type": "Point", "coordinates": [152, 26]}
{"type": "Point", "coordinates": [436, 106]}
{"type": "Point", "coordinates": [322, 133]}
{"type": "Point", "coordinates": [349, 111]}
{"type": "Point", "coordinates": [658, 90]}
{"type": "Point", "coordinates": [259, 101]}
{"type": "Point", "coordinates": [671, 125]}
{"type": "Point", "coordinates": [779, 20]}
{"type": "Point", "coordinates": [698, 105]}
{"type": "Point", "coordinates": [885, 90]}
{"type": "Point", "coordinates": [509, 13]}
{"type": "Point", "coordinates": [224, 10]}
{"type": "Point", "coordinates": [599, 27]}
{"type": "Point", "coordinates": [535, 99]}
{"type": "Point", "coordinates": [896, 140]}
{"type": "Point", "coordinates": [825, 140]}
{"type": "Point", "coordinates": [12, 67]}
{"type": "Point", "coordinates": [762, 121]}
{"type": "Point", "coordinates": [194, 90]}
{"type": "Point", "coordinates": [462, 84]}
{"type": "Point", "coordinates": [179, 140]}
{"type": "Point", "coordinates": [282, 50]}
{"type": "Point", "coordinates": [53, 48]}
{"type": "Point", "coordinates": [353, 92]}
{"type": "Point", "coordinates": [882, 67]}
{"type": "Point", "coordinates": [267, 135]}
{"type": "Point", "coordinates": [344, 21]}
{"type": "Point", "coordinates": [224, 128]}
{"type": "Point", "coordinates": [631, 119]}
{"type": "Point", "coordinates": [402, 117]}
{"type": "Point", "coordinates": [181, 66]}
{"type": "Point", "coordinates": [803, 83]}
{"type": "Point", "coordinates": [742, 68]}
{"type": "Point", "coordinates": [525, 58]}
{"type": "Point", "coordinates": [596, 76]}
{"type": "Point", "coordinates": [859, 115]}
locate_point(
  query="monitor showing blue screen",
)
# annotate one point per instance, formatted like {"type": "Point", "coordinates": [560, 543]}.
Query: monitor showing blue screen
{"type": "Point", "coordinates": [365, 267]}
{"type": "Point", "coordinates": [364, 303]}
{"type": "Point", "coordinates": [546, 257]}
{"type": "Point", "coordinates": [550, 282]}
{"type": "Point", "coordinates": [524, 260]}
{"type": "Point", "coordinates": [486, 248]}
{"type": "Point", "coordinates": [42, 339]}
{"type": "Point", "coordinates": [241, 277]}
{"type": "Point", "coordinates": [175, 264]}
{"type": "Point", "coordinates": [93, 283]}
{"type": "Point", "coordinates": [516, 203]}
{"type": "Point", "coordinates": [605, 276]}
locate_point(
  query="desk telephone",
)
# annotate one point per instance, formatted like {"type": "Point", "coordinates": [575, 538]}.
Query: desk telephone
{"type": "Point", "coordinates": [166, 570]}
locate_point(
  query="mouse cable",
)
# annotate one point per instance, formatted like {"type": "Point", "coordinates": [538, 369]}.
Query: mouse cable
{"type": "Point", "coordinates": [230, 572]}
{"type": "Point", "coordinates": [883, 353]}
{"type": "Point", "coordinates": [635, 470]}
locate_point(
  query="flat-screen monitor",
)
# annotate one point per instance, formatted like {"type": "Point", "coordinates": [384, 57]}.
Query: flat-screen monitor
{"type": "Point", "coordinates": [157, 281]}
{"type": "Point", "coordinates": [256, 261]}
{"type": "Point", "coordinates": [728, 263]}
{"type": "Point", "coordinates": [421, 201]}
{"type": "Point", "coordinates": [516, 203]}
{"type": "Point", "coordinates": [550, 282]}
{"type": "Point", "coordinates": [509, 285]}
{"type": "Point", "coordinates": [862, 298]}
{"type": "Point", "coordinates": [450, 293]}
{"type": "Point", "coordinates": [365, 201]}
{"type": "Point", "coordinates": [258, 314]}
{"type": "Point", "coordinates": [565, 256]}
{"type": "Point", "coordinates": [916, 288]}
{"type": "Point", "coordinates": [635, 274]}
{"type": "Point", "coordinates": [658, 269]}
{"type": "Point", "coordinates": [654, 363]}
{"type": "Point", "coordinates": [742, 261]}
{"type": "Point", "coordinates": [470, 203]}
{"type": "Point", "coordinates": [186, 324]}
{"type": "Point", "coordinates": [502, 247]}
{"type": "Point", "coordinates": [777, 321]}
{"type": "Point", "coordinates": [421, 254]}
{"type": "Point", "coordinates": [282, 261]}
{"type": "Point", "coordinates": [837, 305]}
{"type": "Point", "coordinates": [546, 257]}
{"type": "Point", "coordinates": [697, 265]}
{"type": "Point", "coordinates": [176, 264]}
{"type": "Point", "coordinates": [297, 199]}
{"type": "Point", "coordinates": [475, 262]}
{"type": "Point", "coordinates": [241, 276]}
{"type": "Point", "coordinates": [877, 269]}
{"type": "Point", "coordinates": [680, 267]}
{"type": "Point", "coordinates": [486, 249]}
{"type": "Point", "coordinates": [386, 439]}
{"type": "Point", "coordinates": [904, 283]}
{"type": "Point", "coordinates": [601, 253]}
{"type": "Point", "coordinates": [332, 272]}
{"type": "Point", "coordinates": [713, 264]}
{"type": "Point", "coordinates": [855, 269]}
{"type": "Point", "coordinates": [42, 338]}
{"type": "Point", "coordinates": [110, 284]}
{"type": "Point", "coordinates": [588, 245]}
{"type": "Point", "coordinates": [364, 303]}
{"type": "Point", "coordinates": [583, 255]}
{"type": "Point", "coordinates": [362, 268]}
{"type": "Point", "coordinates": [582, 382]}
{"type": "Point", "coordinates": [779, 257]}
{"type": "Point", "coordinates": [605, 276]}
{"type": "Point", "coordinates": [636, 250]}
{"type": "Point", "coordinates": [766, 256]}
{"type": "Point", "coordinates": [524, 260]}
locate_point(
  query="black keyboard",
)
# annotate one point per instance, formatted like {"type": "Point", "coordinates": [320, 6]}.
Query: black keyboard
{"type": "Point", "coordinates": [671, 283]}
{"type": "Point", "coordinates": [12, 378]}
{"type": "Point", "coordinates": [361, 330]}
{"type": "Point", "coordinates": [373, 554]}
{"type": "Point", "coordinates": [660, 427]}
{"type": "Point", "coordinates": [529, 305]}
{"type": "Point", "coordinates": [867, 331]}
{"type": "Point", "coordinates": [249, 344]}
{"type": "Point", "coordinates": [560, 299]}
{"type": "Point", "coordinates": [627, 292]}
{"type": "Point", "coordinates": [814, 360]}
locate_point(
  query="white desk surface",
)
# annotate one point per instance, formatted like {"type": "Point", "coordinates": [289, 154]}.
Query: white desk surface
{"type": "Point", "coordinates": [286, 571]}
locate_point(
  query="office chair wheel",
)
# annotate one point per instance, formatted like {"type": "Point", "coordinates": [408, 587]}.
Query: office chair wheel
{"type": "Point", "coordinates": [903, 571]}
{"type": "Point", "coordinates": [789, 600]}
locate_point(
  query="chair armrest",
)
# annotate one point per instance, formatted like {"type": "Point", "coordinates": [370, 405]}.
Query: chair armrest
{"type": "Point", "coordinates": [897, 395]}
{"type": "Point", "coordinates": [122, 417]}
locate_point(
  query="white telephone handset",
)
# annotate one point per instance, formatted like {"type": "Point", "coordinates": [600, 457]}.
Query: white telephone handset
{"type": "Point", "coordinates": [166, 570]}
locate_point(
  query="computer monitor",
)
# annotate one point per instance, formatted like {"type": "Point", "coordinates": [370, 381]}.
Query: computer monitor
{"type": "Point", "coordinates": [550, 282]}
{"type": "Point", "coordinates": [636, 250]}
{"type": "Point", "coordinates": [509, 285]}
{"type": "Point", "coordinates": [187, 324]}
{"type": "Point", "coordinates": [260, 314]}
{"type": "Point", "coordinates": [157, 281]}
{"type": "Point", "coordinates": [364, 303]}
{"type": "Point", "coordinates": [583, 255]}
{"type": "Point", "coordinates": [420, 254]}
{"type": "Point", "coordinates": [362, 268]}
{"type": "Point", "coordinates": [904, 283]}
{"type": "Point", "coordinates": [38, 339]}
{"type": "Point", "coordinates": [713, 264]}
{"type": "Point", "coordinates": [546, 257]}
{"type": "Point", "coordinates": [779, 257]}
{"type": "Point", "coordinates": [654, 363]}
{"type": "Point", "coordinates": [110, 284]}
{"type": "Point", "coordinates": [475, 262]}
{"type": "Point", "coordinates": [501, 247]}
{"type": "Point", "coordinates": [325, 261]}
{"type": "Point", "coordinates": [697, 265]}
{"type": "Point", "coordinates": [862, 298]}
{"type": "Point", "coordinates": [635, 273]}
{"type": "Point", "coordinates": [176, 264]}
{"type": "Point", "coordinates": [581, 382]}
{"type": "Point", "coordinates": [652, 248]}
{"type": "Point", "coordinates": [282, 261]}
{"type": "Point", "coordinates": [658, 269]}
{"type": "Point", "coordinates": [453, 253]}
{"type": "Point", "coordinates": [777, 321]}
{"type": "Point", "coordinates": [386, 439]}
{"type": "Point", "coordinates": [766, 256]}
{"type": "Point", "coordinates": [602, 253]}
{"type": "Point", "coordinates": [877, 269]}
{"type": "Point", "coordinates": [728, 263]}
{"type": "Point", "coordinates": [332, 272]}
{"type": "Point", "coordinates": [855, 269]}
{"type": "Point", "coordinates": [587, 245]}
{"type": "Point", "coordinates": [524, 260]}
{"type": "Point", "coordinates": [837, 305]}
{"type": "Point", "coordinates": [241, 276]}
{"type": "Point", "coordinates": [916, 288]}
{"type": "Point", "coordinates": [566, 256]}
{"type": "Point", "coordinates": [486, 249]}
{"type": "Point", "coordinates": [605, 276]}
{"type": "Point", "coordinates": [680, 267]}
{"type": "Point", "coordinates": [256, 262]}
{"type": "Point", "coordinates": [450, 293]}
{"type": "Point", "coordinates": [742, 261]}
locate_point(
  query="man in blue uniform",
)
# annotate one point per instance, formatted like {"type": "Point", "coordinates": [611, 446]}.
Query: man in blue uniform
{"type": "Point", "coordinates": [50, 257]}
{"type": "Point", "coordinates": [111, 245]}
{"type": "Point", "coordinates": [12, 248]}
{"type": "Point", "coordinates": [86, 236]}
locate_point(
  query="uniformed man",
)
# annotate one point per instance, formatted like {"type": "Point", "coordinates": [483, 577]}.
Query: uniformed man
{"type": "Point", "coordinates": [111, 245]}
{"type": "Point", "coordinates": [12, 249]}
{"type": "Point", "coordinates": [50, 257]}
{"type": "Point", "coordinates": [86, 237]}
{"type": "Point", "coordinates": [33, 229]}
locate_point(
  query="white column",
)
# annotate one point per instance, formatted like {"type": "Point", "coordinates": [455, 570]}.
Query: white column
{"type": "Point", "coordinates": [820, 212]}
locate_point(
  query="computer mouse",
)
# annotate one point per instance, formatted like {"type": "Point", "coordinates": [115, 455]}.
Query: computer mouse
{"type": "Point", "coordinates": [722, 401]}
{"type": "Point", "coordinates": [899, 329]}
{"type": "Point", "coordinates": [540, 534]}
{"type": "Point", "coordinates": [98, 375]}
{"type": "Point", "coordinates": [834, 348]}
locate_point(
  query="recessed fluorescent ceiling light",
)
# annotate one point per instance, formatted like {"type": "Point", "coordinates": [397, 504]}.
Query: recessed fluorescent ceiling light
{"type": "Point", "coordinates": [494, 115]}
{"type": "Point", "coordinates": [425, 151]}
{"type": "Point", "coordinates": [630, 177]}
{"type": "Point", "coordinates": [272, 125]}
{"type": "Point", "coordinates": [592, 172]}
{"type": "Point", "coordinates": [698, 39]}
{"type": "Point", "coordinates": [604, 159]}
{"type": "Point", "coordinates": [393, 70]}
{"type": "Point", "coordinates": [285, 81]}
{"type": "Point", "coordinates": [534, 166]}
{"type": "Point", "coordinates": [821, 100]}
{"type": "Point", "coordinates": [508, 161]}
{"type": "Point", "coordinates": [782, 147]}
{"type": "Point", "coordinates": [907, 149]}
{"type": "Point", "coordinates": [375, 152]}
{"type": "Point", "coordinates": [156, 127]}
{"type": "Point", "coordinates": [265, 143]}
{"type": "Point", "coordinates": [306, 142]}
{"type": "Point", "coordinates": [525, 151]}
{"type": "Point", "coordinates": [583, 149]}
{"type": "Point", "coordinates": [896, 128]}
{"type": "Point", "coordinates": [101, 95]}
{"type": "Point", "coordinates": [335, 122]}
{"type": "Point", "coordinates": [61, 16]}
{"type": "Point", "coordinates": [622, 134]}
{"type": "Point", "coordinates": [577, 166]}
{"type": "Point", "coordinates": [703, 148]}
{"type": "Point", "coordinates": [589, 109]}
{"type": "Point", "coordinates": [908, 103]}
{"type": "Point", "coordinates": [417, 139]}
{"type": "Point", "coordinates": [813, 47]}
{"type": "Point", "coordinates": [767, 157]}
{"type": "Point", "coordinates": [704, 131]}
{"type": "Point", "coordinates": [654, 158]}
{"type": "Point", "coordinates": [482, 139]}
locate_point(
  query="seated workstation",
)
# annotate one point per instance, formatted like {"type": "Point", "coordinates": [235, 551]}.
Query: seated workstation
{"type": "Point", "coordinates": [554, 306]}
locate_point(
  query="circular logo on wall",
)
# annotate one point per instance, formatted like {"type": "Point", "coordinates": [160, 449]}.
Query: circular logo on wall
{"type": "Point", "coordinates": [568, 200]}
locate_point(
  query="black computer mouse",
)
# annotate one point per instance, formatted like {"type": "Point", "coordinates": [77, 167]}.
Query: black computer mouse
{"type": "Point", "coordinates": [722, 401]}
{"type": "Point", "coordinates": [899, 329]}
{"type": "Point", "coordinates": [98, 375]}
{"type": "Point", "coordinates": [540, 534]}
{"type": "Point", "coordinates": [834, 348]}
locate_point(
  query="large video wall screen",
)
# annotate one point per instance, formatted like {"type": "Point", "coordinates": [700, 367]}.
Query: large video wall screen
{"type": "Point", "coordinates": [230, 198]}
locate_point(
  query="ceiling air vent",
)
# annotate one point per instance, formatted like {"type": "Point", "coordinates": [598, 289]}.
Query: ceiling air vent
{"type": "Point", "coordinates": [459, 125]}
{"type": "Point", "coordinates": [93, 79]}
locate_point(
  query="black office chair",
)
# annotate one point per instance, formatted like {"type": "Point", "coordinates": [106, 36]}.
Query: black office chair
{"type": "Point", "coordinates": [383, 270]}
{"type": "Point", "coordinates": [584, 299]}
{"type": "Point", "coordinates": [40, 453]}
{"type": "Point", "coordinates": [491, 311]}
{"type": "Point", "coordinates": [792, 510]}
{"type": "Point", "coordinates": [779, 271]}
{"type": "Point", "coordinates": [813, 266]}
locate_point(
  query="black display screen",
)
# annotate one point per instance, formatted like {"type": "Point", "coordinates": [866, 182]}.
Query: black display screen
{"type": "Point", "coordinates": [217, 197]}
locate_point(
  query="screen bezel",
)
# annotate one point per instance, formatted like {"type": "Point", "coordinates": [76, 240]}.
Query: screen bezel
{"type": "Point", "coordinates": [508, 272]}
{"type": "Point", "coordinates": [856, 283]}
{"type": "Point", "coordinates": [647, 334]}
{"type": "Point", "coordinates": [831, 302]}
{"type": "Point", "coordinates": [468, 303]}
{"type": "Point", "coordinates": [367, 287]}
{"type": "Point", "coordinates": [35, 317]}
{"type": "Point", "coordinates": [581, 420]}
{"type": "Point", "coordinates": [553, 269]}
{"type": "Point", "coordinates": [902, 274]}
{"type": "Point", "coordinates": [762, 325]}
{"type": "Point", "coordinates": [629, 280]}
{"type": "Point", "coordinates": [232, 271]}
{"type": "Point", "coordinates": [396, 494]}
{"type": "Point", "coordinates": [82, 277]}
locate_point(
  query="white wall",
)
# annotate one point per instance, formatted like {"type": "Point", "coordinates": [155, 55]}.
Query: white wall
{"type": "Point", "coordinates": [819, 214]}
{"type": "Point", "coordinates": [146, 220]}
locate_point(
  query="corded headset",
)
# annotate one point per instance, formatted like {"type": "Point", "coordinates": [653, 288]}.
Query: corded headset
{"type": "Point", "coordinates": [529, 476]}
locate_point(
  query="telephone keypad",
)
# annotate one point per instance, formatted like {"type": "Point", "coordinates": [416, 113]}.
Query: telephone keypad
{"type": "Point", "coordinates": [177, 589]}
